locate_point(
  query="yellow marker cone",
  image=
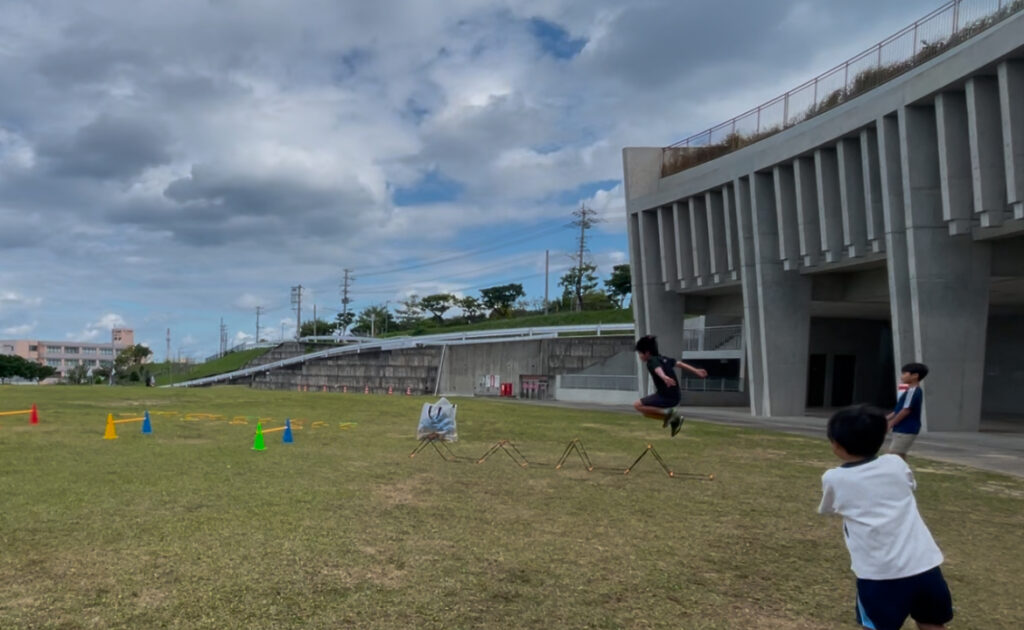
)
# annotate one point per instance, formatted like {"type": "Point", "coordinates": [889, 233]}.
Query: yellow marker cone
{"type": "Point", "coordinates": [110, 433]}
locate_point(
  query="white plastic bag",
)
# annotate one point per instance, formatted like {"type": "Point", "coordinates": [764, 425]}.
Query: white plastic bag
{"type": "Point", "coordinates": [437, 421]}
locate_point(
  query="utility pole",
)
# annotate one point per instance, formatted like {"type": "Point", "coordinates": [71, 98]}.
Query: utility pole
{"type": "Point", "coordinates": [297, 303]}
{"type": "Point", "coordinates": [168, 355]}
{"type": "Point", "coordinates": [585, 218]}
{"type": "Point", "coordinates": [547, 260]}
{"type": "Point", "coordinates": [345, 299]}
{"type": "Point", "coordinates": [223, 338]}
{"type": "Point", "coordinates": [259, 309]}
{"type": "Point", "coordinates": [314, 320]}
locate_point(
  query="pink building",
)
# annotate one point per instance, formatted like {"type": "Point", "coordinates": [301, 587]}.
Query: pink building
{"type": "Point", "coordinates": [64, 355]}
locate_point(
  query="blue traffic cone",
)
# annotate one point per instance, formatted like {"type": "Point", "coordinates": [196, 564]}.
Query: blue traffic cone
{"type": "Point", "coordinates": [147, 428]}
{"type": "Point", "coordinates": [287, 439]}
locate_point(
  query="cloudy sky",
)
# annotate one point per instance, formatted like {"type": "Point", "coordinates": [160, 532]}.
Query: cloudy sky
{"type": "Point", "coordinates": [166, 165]}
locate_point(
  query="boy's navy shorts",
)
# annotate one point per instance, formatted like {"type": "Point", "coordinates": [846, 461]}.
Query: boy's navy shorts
{"type": "Point", "coordinates": [657, 400]}
{"type": "Point", "coordinates": [886, 604]}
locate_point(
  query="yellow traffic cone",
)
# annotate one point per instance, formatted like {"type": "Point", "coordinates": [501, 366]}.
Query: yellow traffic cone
{"type": "Point", "coordinates": [110, 433]}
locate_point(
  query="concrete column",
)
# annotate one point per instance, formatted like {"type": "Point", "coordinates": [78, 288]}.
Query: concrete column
{"type": "Point", "coordinates": [684, 244]}
{"type": "Point", "coordinates": [851, 196]}
{"type": "Point", "coordinates": [872, 189]}
{"type": "Point", "coordinates": [748, 278]}
{"type": "Point", "coordinates": [806, 187]}
{"type": "Point", "coordinates": [954, 161]}
{"type": "Point", "coordinates": [894, 218]}
{"type": "Point", "coordinates": [667, 241]}
{"type": "Point", "coordinates": [699, 236]}
{"type": "Point", "coordinates": [785, 209]}
{"type": "Point", "coordinates": [949, 284]}
{"type": "Point", "coordinates": [650, 254]}
{"type": "Point", "coordinates": [986, 140]}
{"type": "Point", "coordinates": [732, 240]}
{"type": "Point", "coordinates": [830, 212]}
{"type": "Point", "coordinates": [1011, 95]}
{"type": "Point", "coordinates": [784, 309]}
{"type": "Point", "coordinates": [636, 274]}
{"type": "Point", "coordinates": [717, 238]}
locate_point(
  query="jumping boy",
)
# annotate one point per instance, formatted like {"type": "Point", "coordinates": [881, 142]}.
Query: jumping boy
{"type": "Point", "coordinates": [893, 554]}
{"type": "Point", "coordinates": [661, 405]}
{"type": "Point", "coordinates": [905, 419]}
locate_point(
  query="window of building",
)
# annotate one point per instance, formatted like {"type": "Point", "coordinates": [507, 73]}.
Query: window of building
{"type": "Point", "coordinates": [53, 362]}
{"type": "Point", "coordinates": [88, 350]}
{"type": "Point", "coordinates": [106, 351]}
{"type": "Point", "coordinates": [54, 348]}
{"type": "Point", "coordinates": [7, 349]}
{"type": "Point", "coordinates": [33, 348]}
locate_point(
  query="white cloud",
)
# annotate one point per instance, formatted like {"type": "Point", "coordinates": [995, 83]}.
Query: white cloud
{"type": "Point", "coordinates": [18, 331]}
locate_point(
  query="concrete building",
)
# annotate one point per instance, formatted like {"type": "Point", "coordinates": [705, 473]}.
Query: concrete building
{"type": "Point", "coordinates": [889, 229]}
{"type": "Point", "coordinates": [64, 355]}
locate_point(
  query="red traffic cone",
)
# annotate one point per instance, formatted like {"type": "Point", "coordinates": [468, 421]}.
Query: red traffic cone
{"type": "Point", "coordinates": [33, 417]}
{"type": "Point", "coordinates": [391, 390]}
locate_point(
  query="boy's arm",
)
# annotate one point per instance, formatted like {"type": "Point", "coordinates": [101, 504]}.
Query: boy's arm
{"type": "Point", "coordinates": [897, 418]}
{"type": "Point", "coordinates": [828, 496]}
{"type": "Point", "coordinates": [665, 377]}
{"type": "Point", "coordinates": [697, 371]}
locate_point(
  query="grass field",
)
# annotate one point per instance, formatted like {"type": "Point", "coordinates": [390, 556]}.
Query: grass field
{"type": "Point", "coordinates": [190, 528]}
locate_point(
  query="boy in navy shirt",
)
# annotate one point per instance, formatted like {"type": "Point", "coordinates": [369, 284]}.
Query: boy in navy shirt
{"type": "Point", "coordinates": [905, 419]}
{"type": "Point", "coordinates": [661, 405]}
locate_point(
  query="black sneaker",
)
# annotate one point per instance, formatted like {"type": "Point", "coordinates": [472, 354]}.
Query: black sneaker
{"type": "Point", "coordinates": [669, 413]}
{"type": "Point", "coordinates": [677, 423]}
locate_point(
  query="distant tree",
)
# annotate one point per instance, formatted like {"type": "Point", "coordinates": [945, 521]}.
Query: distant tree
{"type": "Point", "coordinates": [500, 299]}
{"type": "Point", "coordinates": [343, 320]}
{"type": "Point", "coordinates": [471, 307]}
{"type": "Point", "coordinates": [14, 366]}
{"type": "Point", "coordinates": [128, 363]}
{"type": "Point", "coordinates": [77, 375]}
{"type": "Point", "coordinates": [410, 311]}
{"type": "Point", "coordinates": [578, 282]}
{"type": "Point", "coordinates": [315, 327]}
{"type": "Point", "coordinates": [438, 304]}
{"type": "Point", "coordinates": [619, 284]}
{"type": "Point", "coordinates": [373, 320]}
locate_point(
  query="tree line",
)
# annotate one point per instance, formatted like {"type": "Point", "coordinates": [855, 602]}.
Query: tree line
{"type": "Point", "coordinates": [497, 302]}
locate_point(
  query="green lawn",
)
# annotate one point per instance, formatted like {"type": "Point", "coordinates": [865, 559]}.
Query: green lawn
{"type": "Point", "coordinates": [191, 528]}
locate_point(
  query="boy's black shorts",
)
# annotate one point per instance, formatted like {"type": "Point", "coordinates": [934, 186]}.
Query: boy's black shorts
{"type": "Point", "coordinates": [658, 400]}
{"type": "Point", "coordinates": [886, 604]}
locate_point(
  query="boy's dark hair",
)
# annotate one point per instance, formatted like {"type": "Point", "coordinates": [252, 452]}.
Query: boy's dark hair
{"type": "Point", "coordinates": [648, 344]}
{"type": "Point", "coordinates": [859, 430]}
{"type": "Point", "coordinates": [916, 368]}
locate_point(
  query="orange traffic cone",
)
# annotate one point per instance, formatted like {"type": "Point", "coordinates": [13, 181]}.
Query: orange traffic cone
{"type": "Point", "coordinates": [33, 417]}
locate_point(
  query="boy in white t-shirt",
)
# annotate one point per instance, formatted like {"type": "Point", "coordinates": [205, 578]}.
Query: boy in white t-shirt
{"type": "Point", "coordinates": [893, 554]}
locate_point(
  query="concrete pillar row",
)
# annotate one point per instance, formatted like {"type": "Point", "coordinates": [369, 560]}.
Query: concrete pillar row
{"type": "Point", "coordinates": [732, 242]}
{"type": "Point", "coordinates": [875, 221]}
{"type": "Point", "coordinates": [1011, 94]}
{"type": "Point", "coordinates": [748, 283]}
{"type": "Point", "coordinates": [717, 237]}
{"type": "Point", "coordinates": [949, 283]}
{"type": "Point", "coordinates": [699, 240]}
{"type": "Point", "coordinates": [954, 162]}
{"type": "Point", "coordinates": [986, 143]}
{"type": "Point", "coordinates": [684, 244]}
{"type": "Point", "coordinates": [785, 209]}
{"type": "Point", "coordinates": [830, 213]}
{"type": "Point", "coordinates": [783, 309]}
{"type": "Point", "coordinates": [851, 196]}
{"type": "Point", "coordinates": [650, 257]}
{"type": "Point", "coordinates": [805, 182]}
{"type": "Point", "coordinates": [667, 242]}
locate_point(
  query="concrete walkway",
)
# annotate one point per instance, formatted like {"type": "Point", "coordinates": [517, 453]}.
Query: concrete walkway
{"type": "Point", "coordinates": [998, 447]}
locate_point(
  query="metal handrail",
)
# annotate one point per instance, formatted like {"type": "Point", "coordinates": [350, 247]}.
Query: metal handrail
{"type": "Point", "coordinates": [828, 88]}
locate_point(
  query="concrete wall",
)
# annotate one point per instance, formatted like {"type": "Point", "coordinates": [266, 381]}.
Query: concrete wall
{"type": "Point", "coordinates": [466, 365]}
{"type": "Point", "coordinates": [1004, 366]}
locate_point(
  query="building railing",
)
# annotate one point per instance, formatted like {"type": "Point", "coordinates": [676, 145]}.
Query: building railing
{"type": "Point", "coordinates": [713, 338]}
{"type": "Point", "coordinates": [946, 26]}
{"type": "Point", "coordinates": [598, 381]}
{"type": "Point", "coordinates": [711, 384]}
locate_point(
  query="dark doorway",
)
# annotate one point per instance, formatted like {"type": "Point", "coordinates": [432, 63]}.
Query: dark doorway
{"type": "Point", "coordinates": [816, 367]}
{"type": "Point", "coordinates": [843, 367]}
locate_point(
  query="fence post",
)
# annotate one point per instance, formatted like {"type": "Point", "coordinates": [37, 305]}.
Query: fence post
{"type": "Point", "coordinates": [879, 54]}
{"type": "Point", "coordinates": [913, 51]}
{"type": "Point", "coordinates": [956, 17]}
{"type": "Point", "coordinates": [785, 110]}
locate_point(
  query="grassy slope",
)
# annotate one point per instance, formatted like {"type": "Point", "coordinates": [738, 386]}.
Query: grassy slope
{"type": "Point", "coordinates": [621, 316]}
{"type": "Point", "coordinates": [226, 363]}
{"type": "Point", "coordinates": [189, 528]}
